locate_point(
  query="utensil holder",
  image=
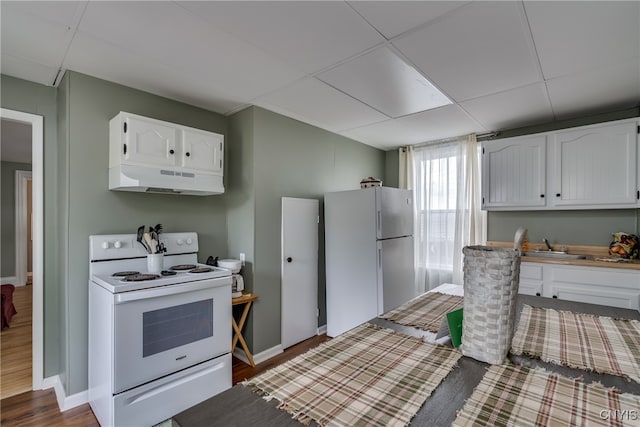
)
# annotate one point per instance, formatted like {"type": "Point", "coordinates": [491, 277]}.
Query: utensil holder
{"type": "Point", "coordinates": [155, 263]}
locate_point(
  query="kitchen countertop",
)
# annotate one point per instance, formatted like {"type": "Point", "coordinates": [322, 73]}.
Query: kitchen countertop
{"type": "Point", "coordinates": [592, 253]}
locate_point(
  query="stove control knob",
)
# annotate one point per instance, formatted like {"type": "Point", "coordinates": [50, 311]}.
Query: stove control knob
{"type": "Point", "coordinates": [117, 244]}
{"type": "Point", "coordinates": [179, 242]}
{"type": "Point", "coordinates": [105, 245]}
{"type": "Point", "coordinates": [189, 241]}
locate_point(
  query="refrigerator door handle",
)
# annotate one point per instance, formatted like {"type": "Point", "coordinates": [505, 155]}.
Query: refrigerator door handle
{"type": "Point", "coordinates": [379, 257]}
{"type": "Point", "coordinates": [379, 222]}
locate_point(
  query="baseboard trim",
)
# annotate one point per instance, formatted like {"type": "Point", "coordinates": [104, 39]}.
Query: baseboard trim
{"type": "Point", "coordinates": [9, 280]}
{"type": "Point", "coordinates": [322, 330]}
{"type": "Point", "coordinates": [65, 402]}
{"type": "Point", "coordinates": [259, 357]}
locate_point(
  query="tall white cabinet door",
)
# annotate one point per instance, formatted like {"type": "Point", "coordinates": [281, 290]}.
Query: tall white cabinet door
{"type": "Point", "coordinates": [299, 270]}
{"type": "Point", "coordinates": [202, 150]}
{"type": "Point", "coordinates": [513, 173]}
{"type": "Point", "coordinates": [149, 142]}
{"type": "Point", "coordinates": [595, 166]}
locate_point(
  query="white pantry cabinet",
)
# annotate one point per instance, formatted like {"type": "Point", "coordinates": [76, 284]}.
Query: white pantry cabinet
{"type": "Point", "coordinates": [138, 140]}
{"type": "Point", "coordinates": [513, 172]}
{"type": "Point", "coordinates": [588, 167]}
{"type": "Point", "coordinates": [595, 285]}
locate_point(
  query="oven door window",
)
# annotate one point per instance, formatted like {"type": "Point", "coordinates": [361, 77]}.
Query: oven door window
{"type": "Point", "coordinates": [176, 326]}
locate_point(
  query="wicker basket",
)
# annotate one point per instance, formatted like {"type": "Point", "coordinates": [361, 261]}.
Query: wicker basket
{"type": "Point", "coordinates": [491, 278]}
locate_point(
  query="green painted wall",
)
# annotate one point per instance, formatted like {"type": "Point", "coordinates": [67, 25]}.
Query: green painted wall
{"type": "Point", "coordinates": [578, 227]}
{"type": "Point", "coordinates": [391, 169]}
{"type": "Point", "coordinates": [293, 159]}
{"type": "Point", "coordinates": [94, 209]}
{"type": "Point", "coordinates": [28, 97]}
{"type": "Point", "coordinates": [8, 216]}
{"type": "Point", "coordinates": [240, 199]}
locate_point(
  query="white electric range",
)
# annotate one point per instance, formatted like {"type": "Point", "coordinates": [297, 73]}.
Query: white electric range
{"type": "Point", "coordinates": [158, 343]}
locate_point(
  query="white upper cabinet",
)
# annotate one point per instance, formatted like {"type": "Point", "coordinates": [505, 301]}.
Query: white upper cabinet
{"type": "Point", "coordinates": [595, 166]}
{"type": "Point", "coordinates": [148, 142]}
{"type": "Point", "coordinates": [589, 167]}
{"type": "Point", "coordinates": [202, 150]}
{"type": "Point", "coordinates": [513, 173]}
{"type": "Point", "coordinates": [137, 140]}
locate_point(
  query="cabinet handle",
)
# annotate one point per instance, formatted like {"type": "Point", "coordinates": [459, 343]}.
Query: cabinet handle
{"type": "Point", "coordinates": [124, 148]}
{"type": "Point", "coordinates": [557, 194]}
{"type": "Point", "coordinates": [537, 294]}
{"type": "Point", "coordinates": [171, 151]}
{"type": "Point", "coordinates": [542, 196]}
{"type": "Point", "coordinates": [187, 154]}
{"type": "Point", "coordinates": [555, 296]}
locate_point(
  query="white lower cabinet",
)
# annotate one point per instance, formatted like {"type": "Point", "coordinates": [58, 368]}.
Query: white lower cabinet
{"type": "Point", "coordinates": [593, 285]}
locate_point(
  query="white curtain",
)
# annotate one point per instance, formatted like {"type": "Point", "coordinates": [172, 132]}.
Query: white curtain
{"type": "Point", "coordinates": [448, 216]}
{"type": "Point", "coordinates": [405, 167]}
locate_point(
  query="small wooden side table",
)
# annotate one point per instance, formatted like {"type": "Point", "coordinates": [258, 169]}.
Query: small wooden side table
{"type": "Point", "coordinates": [246, 298]}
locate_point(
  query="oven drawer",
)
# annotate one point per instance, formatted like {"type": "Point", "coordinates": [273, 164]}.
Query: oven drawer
{"type": "Point", "coordinates": [159, 335]}
{"type": "Point", "coordinates": [162, 399]}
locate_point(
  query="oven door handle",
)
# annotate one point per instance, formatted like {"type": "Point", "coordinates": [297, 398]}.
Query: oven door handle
{"type": "Point", "coordinates": [163, 291]}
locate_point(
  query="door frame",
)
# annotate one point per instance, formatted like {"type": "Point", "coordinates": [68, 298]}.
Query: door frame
{"type": "Point", "coordinates": [21, 225]}
{"type": "Point", "coordinates": [37, 182]}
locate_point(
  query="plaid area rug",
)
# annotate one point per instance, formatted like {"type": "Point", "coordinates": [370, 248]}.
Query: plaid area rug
{"type": "Point", "coordinates": [582, 341]}
{"type": "Point", "coordinates": [424, 312]}
{"type": "Point", "coordinates": [521, 396]}
{"type": "Point", "coordinates": [366, 376]}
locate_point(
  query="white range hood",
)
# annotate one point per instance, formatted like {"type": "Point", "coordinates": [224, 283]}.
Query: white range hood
{"type": "Point", "coordinates": [147, 179]}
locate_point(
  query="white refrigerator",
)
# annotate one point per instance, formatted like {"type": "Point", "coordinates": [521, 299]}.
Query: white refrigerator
{"type": "Point", "coordinates": [368, 254]}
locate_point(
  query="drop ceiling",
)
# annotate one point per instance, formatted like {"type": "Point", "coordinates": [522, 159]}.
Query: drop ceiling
{"type": "Point", "coordinates": [360, 69]}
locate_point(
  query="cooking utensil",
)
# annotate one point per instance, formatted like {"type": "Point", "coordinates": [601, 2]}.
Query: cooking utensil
{"type": "Point", "coordinates": [140, 238]}
{"type": "Point", "coordinates": [147, 238]}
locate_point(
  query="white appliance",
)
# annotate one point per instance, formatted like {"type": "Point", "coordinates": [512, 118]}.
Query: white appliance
{"type": "Point", "coordinates": [158, 343]}
{"type": "Point", "coordinates": [369, 254]}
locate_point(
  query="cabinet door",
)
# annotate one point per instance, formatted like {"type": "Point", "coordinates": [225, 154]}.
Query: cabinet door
{"type": "Point", "coordinates": [611, 296]}
{"type": "Point", "coordinates": [202, 151]}
{"type": "Point", "coordinates": [531, 279]}
{"type": "Point", "coordinates": [596, 166]}
{"type": "Point", "coordinates": [149, 142]}
{"type": "Point", "coordinates": [513, 173]}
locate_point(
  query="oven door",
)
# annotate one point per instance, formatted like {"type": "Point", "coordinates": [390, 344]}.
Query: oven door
{"type": "Point", "coordinates": [162, 330]}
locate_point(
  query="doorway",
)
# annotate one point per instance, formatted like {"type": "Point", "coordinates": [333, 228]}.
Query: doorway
{"type": "Point", "coordinates": [7, 119]}
{"type": "Point", "coordinates": [299, 267]}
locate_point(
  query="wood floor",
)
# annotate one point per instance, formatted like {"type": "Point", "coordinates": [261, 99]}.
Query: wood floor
{"type": "Point", "coordinates": [15, 346]}
{"type": "Point", "coordinates": [38, 408]}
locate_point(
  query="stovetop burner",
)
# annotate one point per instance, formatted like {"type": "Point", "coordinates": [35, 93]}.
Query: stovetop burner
{"type": "Point", "coordinates": [201, 270]}
{"type": "Point", "coordinates": [181, 267]}
{"type": "Point", "coordinates": [168, 273]}
{"type": "Point", "coordinates": [125, 273]}
{"type": "Point", "coordinates": [140, 277]}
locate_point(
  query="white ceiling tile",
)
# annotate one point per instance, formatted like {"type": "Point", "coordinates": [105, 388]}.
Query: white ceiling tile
{"type": "Point", "coordinates": [571, 37]}
{"type": "Point", "coordinates": [99, 59]}
{"type": "Point", "coordinates": [163, 33]}
{"type": "Point", "coordinates": [443, 122]}
{"type": "Point", "coordinates": [33, 38]}
{"type": "Point", "coordinates": [385, 82]}
{"type": "Point", "coordinates": [27, 70]}
{"type": "Point", "coordinates": [310, 35]}
{"type": "Point", "coordinates": [310, 100]}
{"type": "Point", "coordinates": [596, 91]}
{"type": "Point", "coordinates": [524, 106]}
{"type": "Point", "coordinates": [478, 49]}
{"type": "Point", "coordinates": [392, 18]}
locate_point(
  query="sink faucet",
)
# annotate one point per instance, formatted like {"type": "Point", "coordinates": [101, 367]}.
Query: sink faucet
{"type": "Point", "coordinates": [546, 242]}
